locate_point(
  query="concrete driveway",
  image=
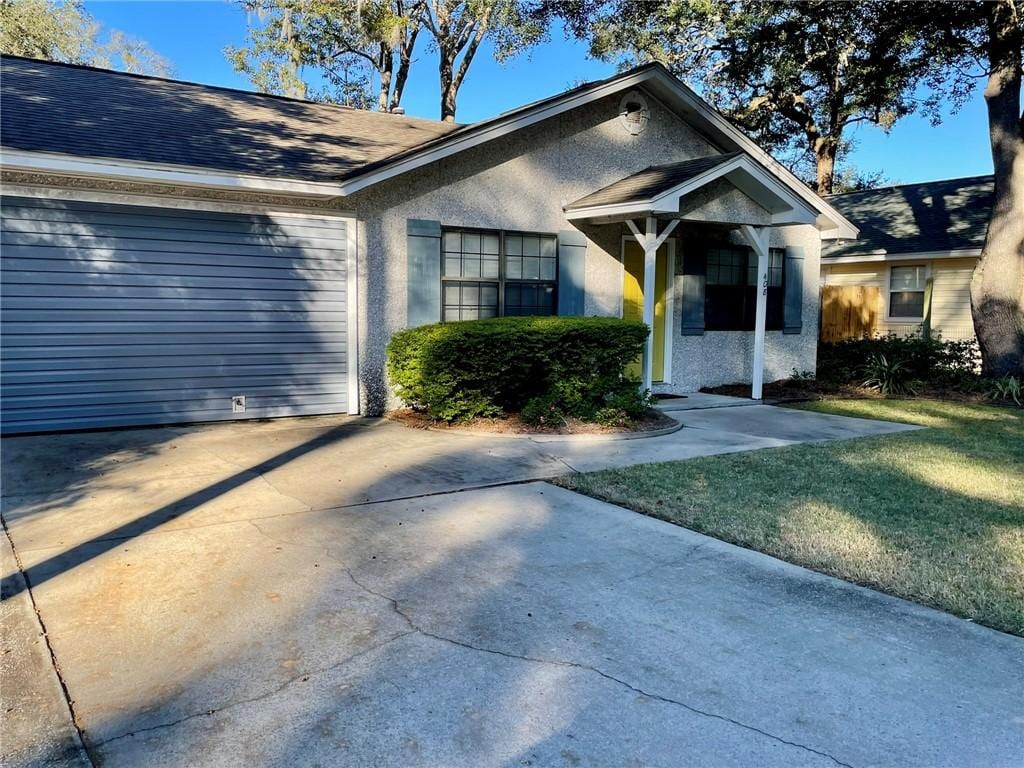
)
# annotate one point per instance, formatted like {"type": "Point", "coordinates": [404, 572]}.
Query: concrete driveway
{"type": "Point", "coordinates": [321, 592]}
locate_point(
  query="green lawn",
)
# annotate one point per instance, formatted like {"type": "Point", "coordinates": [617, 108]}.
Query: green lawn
{"type": "Point", "coordinates": [935, 516]}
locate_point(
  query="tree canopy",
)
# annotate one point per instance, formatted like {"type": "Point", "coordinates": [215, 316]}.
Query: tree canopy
{"type": "Point", "coordinates": [65, 32]}
{"type": "Point", "coordinates": [363, 50]}
{"type": "Point", "coordinates": [796, 75]}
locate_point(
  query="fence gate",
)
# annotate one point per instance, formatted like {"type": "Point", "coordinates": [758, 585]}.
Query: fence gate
{"type": "Point", "coordinates": [849, 311]}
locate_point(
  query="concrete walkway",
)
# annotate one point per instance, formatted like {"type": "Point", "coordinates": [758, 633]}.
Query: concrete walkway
{"type": "Point", "coordinates": [311, 592]}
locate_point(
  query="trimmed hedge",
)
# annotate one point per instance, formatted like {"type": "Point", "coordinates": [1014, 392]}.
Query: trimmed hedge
{"type": "Point", "coordinates": [544, 367]}
{"type": "Point", "coordinates": [929, 360]}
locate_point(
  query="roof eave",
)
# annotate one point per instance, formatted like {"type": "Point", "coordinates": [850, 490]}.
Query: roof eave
{"type": "Point", "coordinates": [884, 255]}
{"type": "Point", "coordinates": [125, 170]}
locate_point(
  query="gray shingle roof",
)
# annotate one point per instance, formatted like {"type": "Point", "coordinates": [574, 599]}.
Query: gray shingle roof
{"type": "Point", "coordinates": [75, 110]}
{"type": "Point", "coordinates": [650, 182]}
{"type": "Point", "coordinates": [913, 218]}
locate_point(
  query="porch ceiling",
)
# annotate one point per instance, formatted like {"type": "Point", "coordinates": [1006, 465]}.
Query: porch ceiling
{"type": "Point", "coordinates": [660, 189]}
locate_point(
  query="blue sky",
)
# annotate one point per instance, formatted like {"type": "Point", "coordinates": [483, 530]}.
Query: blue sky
{"type": "Point", "coordinates": [192, 35]}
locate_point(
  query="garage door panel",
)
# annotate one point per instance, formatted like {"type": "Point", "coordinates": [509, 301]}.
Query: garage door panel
{"type": "Point", "coordinates": [125, 284]}
{"type": "Point", "coordinates": [88, 340]}
{"type": "Point", "coordinates": [114, 380]}
{"type": "Point", "coordinates": [112, 259]}
{"type": "Point", "coordinates": [157, 322]}
{"type": "Point", "coordinates": [166, 396]}
{"type": "Point", "coordinates": [175, 301]}
{"type": "Point", "coordinates": [118, 315]}
{"type": "Point", "coordinates": [79, 246]}
{"type": "Point", "coordinates": [143, 233]}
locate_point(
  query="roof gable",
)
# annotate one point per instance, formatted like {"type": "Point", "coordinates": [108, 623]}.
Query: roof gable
{"type": "Point", "coordinates": [129, 126]}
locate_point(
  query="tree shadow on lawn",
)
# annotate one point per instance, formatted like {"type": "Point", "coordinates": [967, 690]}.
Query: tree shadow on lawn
{"type": "Point", "coordinates": [875, 511]}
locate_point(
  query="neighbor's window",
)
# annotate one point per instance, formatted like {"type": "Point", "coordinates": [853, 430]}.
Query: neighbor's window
{"type": "Point", "coordinates": [730, 299]}
{"type": "Point", "coordinates": [490, 274]}
{"type": "Point", "coordinates": [906, 292]}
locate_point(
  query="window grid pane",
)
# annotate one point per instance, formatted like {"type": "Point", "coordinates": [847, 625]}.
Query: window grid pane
{"type": "Point", "coordinates": [481, 266]}
{"type": "Point", "coordinates": [470, 300]}
{"type": "Point", "coordinates": [529, 299]}
{"type": "Point", "coordinates": [470, 253]}
{"type": "Point", "coordinates": [531, 257]}
{"type": "Point", "coordinates": [907, 279]}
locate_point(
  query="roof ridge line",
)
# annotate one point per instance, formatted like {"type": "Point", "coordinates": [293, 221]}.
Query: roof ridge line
{"type": "Point", "coordinates": [910, 184]}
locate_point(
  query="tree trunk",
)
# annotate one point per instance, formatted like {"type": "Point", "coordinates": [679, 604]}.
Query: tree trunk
{"type": "Point", "coordinates": [449, 89]}
{"type": "Point", "coordinates": [825, 166]}
{"type": "Point", "coordinates": [386, 67]}
{"type": "Point", "coordinates": [997, 287]}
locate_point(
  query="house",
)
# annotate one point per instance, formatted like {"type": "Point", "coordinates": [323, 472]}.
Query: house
{"type": "Point", "coordinates": [176, 252]}
{"type": "Point", "coordinates": [910, 270]}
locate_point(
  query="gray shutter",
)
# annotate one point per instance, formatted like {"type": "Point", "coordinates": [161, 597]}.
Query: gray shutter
{"type": "Point", "coordinates": [423, 251]}
{"type": "Point", "coordinates": [694, 271]}
{"type": "Point", "coordinates": [793, 309]}
{"type": "Point", "coordinates": [572, 262]}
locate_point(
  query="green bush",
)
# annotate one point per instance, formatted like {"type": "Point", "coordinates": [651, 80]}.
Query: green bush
{"type": "Point", "coordinates": [1005, 389]}
{"type": "Point", "coordinates": [890, 377]}
{"type": "Point", "coordinates": [932, 361]}
{"type": "Point", "coordinates": [545, 368]}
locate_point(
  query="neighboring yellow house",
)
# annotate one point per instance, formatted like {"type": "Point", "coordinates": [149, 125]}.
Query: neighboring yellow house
{"type": "Point", "coordinates": [910, 270]}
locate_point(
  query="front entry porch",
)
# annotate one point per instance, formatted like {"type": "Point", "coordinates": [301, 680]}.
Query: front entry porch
{"type": "Point", "coordinates": [728, 200]}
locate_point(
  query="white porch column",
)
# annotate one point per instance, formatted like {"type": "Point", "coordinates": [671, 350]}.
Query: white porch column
{"type": "Point", "coordinates": [650, 241]}
{"type": "Point", "coordinates": [758, 239]}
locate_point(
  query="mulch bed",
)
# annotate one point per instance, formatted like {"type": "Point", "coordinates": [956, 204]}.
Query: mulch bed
{"type": "Point", "coordinates": [511, 424]}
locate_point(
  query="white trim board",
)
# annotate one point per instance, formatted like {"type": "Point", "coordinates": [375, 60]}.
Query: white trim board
{"type": "Point", "coordinates": [741, 171]}
{"type": "Point", "coordinates": [875, 256]}
{"type": "Point", "coordinates": [666, 89]}
{"type": "Point", "coordinates": [352, 313]}
{"type": "Point", "coordinates": [129, 170]}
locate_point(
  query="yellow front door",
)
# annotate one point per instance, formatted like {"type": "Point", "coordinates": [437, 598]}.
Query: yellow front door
{"type": "Point", "coordinates": [633, 301]}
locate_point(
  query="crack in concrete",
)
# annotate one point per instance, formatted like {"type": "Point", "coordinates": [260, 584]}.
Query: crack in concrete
{"type": "Point", "coordinates": [83, 745]}
{"type": "Point", "coordinates": [303, 677]}
{"type": "Point", "coordinates": [415, 628]}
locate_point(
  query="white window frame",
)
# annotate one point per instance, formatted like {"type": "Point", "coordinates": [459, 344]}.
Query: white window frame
{"type": "Point", "coordinates": [896, 320]}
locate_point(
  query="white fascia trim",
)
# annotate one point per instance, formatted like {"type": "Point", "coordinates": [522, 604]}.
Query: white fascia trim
{"type": "Point", "coordinates": [352, 319]}
{"type": "Point", "coordinates": [840, 226]}
{"type": "Point", "coordinates": [107, 168]}
{"type": "Point", "coordinates": [496, 130]}
{"type": "Point", "coordinates": [960, 253]}
{"type": "Point", "coordinates": [171, 201]}
{"type": "Point", "coordinates": [668, 201]}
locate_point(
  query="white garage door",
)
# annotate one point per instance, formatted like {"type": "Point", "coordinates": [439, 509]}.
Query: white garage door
{"type": "Point", "coordinates": [119, 315]}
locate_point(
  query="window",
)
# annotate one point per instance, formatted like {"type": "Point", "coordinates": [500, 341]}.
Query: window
{"type": "Point", "coordinates": [906, 292]}
{"type": "Point", "coordinates": [489, 274]}
{"type": "Point", "coordinates": [730, 299]}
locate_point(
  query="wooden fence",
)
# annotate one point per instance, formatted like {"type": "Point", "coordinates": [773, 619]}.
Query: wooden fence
{"type": "Point", "coordinates": [849, 311]}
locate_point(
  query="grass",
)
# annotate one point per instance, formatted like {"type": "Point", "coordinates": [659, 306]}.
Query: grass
{"type": "Point", "coordinates": [935, 516]}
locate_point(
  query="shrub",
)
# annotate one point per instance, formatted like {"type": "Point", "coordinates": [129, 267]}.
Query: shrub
{"type": "Point", "coordinates": [546, 368]}
{"type": "Point", "coordinates": [1006, 388]}
{"type": "Point", "coordinates": [933, 361]}
{"type": "Point", "coordinates": [890, 377]}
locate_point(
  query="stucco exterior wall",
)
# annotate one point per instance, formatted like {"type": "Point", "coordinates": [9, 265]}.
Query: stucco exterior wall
{"type": "Point", "coordinates": [727, 357]}
{"type": "Point", "coordinates": [951, 294]}
{"type": "Point", "coordinates": [521, 182]}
